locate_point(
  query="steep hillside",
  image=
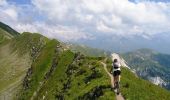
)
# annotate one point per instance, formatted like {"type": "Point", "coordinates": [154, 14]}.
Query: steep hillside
{"type": "Point", "coordinates": [4, 35]}
{"type": "Point", "coordinates": [6, 32]}
{"type": "Point", "coordinates": [8, 29]}
{"type": "Point", "coordinates": [135, 88]}
{"type": "Point", "coordinates": [150, 65]}
{"type": "Point", "coordinates": [75, 76]}
{"type": "Point", "coordinates": [66, 75]}
{"type": "Point", "coordinates": [37, 68]}
{"type": "Point", "coordinates": [16, 56]}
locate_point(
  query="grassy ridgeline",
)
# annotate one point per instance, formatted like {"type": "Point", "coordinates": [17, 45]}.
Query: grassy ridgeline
{"type": "Point", "coordinates": [16, 57]}
{"type": "Point", "coordinates": [57, 73]}
{"type": "Point", "coordinates": [74, 77]}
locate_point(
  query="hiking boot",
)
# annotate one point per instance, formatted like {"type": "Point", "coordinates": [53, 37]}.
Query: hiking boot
{"type": "Point", "coordinates": [115, 90]}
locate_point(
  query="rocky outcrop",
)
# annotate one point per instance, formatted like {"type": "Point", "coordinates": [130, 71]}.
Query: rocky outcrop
{"type": "Point", "coordinates": [34, 52]}
{"type": "Point", "coordinates": [27, 78]}
{"type": "Point", "coordinates": [94, 93]}
{"type": "Point", "coordinates": [36, 48]}
{"type": "Point", "coordinates": [57, 51]}
{"type": "Point", "coordinates": [95, 74]}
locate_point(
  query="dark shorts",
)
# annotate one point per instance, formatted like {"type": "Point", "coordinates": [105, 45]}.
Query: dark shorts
{"type": "Point", "coordinates": [116, 73]}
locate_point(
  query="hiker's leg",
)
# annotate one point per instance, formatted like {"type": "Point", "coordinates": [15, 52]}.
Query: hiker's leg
{"type": "Point", "coordinates": [112, 81]}
{"type": "Point", "coordinates": [116, 80]}
{"type": "Point", "coordinates": [119, 78]}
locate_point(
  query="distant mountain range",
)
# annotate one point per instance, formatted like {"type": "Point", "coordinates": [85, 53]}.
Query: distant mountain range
{"type": "Point", "coordinates": [150, 65]}
{"type": "Point", "coordinates": [122, 44]}
{"type": "Point", "coordinates": [33, 67]}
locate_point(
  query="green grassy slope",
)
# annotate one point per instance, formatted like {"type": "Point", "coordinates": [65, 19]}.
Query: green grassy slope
{"type": "Point", "coordinates": [76, 76]}
{"type": "Point", "coordinates": [4, 35]}
{"type": "Point", "coordinates": [28, 42]}
{"type": "Point", "coordinates": [39, 68]}
{"type": "Point", "coordinates": [12, 69]}
{"type": "Point", "coordinates": [16, 56]}
{"type": "Point", "coordinates": [7, 32]}
{"type": "Point", "coordinates": [135, 88]}
{"type": "Point", "coordinates": [73, 77]}
{"type": "Point", "coordinates": [43, 69]}
{"type": "Point", "coordinates": [77, 80]}
{"type": "Point", "coordinates": [89, 51]}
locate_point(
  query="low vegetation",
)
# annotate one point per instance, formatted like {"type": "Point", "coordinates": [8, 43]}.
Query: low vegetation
{"type": "Point", "coordinates": [35, 67]}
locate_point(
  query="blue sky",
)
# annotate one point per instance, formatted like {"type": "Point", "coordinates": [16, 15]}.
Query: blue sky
{"type": "Point", "coordinates": [73, 20]}
{"type": "Point", "coordinates": [20, 1]}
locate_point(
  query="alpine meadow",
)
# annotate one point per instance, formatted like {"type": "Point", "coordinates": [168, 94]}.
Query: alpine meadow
{"type": "Point", "coordinates": [84, 50]}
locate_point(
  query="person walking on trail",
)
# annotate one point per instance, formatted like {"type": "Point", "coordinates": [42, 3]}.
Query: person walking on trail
{"type": "Point", "coordinates": [116, 71]}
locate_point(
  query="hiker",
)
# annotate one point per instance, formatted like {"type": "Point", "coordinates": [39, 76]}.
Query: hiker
{"type": "Point", "coordinates": [115, 70]}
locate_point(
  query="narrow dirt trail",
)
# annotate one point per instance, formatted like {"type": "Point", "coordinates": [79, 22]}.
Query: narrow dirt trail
{"type": "Point", "coordinates": [118, 97]}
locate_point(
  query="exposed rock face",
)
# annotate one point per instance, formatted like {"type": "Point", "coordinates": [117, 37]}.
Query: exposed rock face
{"type": "Point", "coordinates": [27, 78]}
{"type": "Point", "coordinates": [36, 48]}
{"type": "Point", "coordinates": [58, 50]}
{"type": "Point", "coordinates": [157, 81]}
{"type": "Point", "coordinates": [34, 53]}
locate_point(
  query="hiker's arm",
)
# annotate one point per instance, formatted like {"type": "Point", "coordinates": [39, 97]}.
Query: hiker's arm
{"type": "Point", "coordinates": [111, 69]}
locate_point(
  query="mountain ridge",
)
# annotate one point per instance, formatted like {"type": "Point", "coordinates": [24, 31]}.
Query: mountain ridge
{"type": "Point", "coordinates": [9, 29]}
{"type": "Point", "coordinates": [50, 71]}
{"type": "Point", "coordinates": [150, 65]}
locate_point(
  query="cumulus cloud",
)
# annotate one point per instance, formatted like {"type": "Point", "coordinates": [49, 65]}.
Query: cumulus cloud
{"type": "Point", "coordinates": [86, 19]}
{"type": "Point", "coordinates": [8, 12]}
{"type": "Point", "coordinates": [110, 16]}
{"type": "Point", "coordinates": [24, 18]}
{"type": "Point", "coordinates": [11, 12]}
{"type": "Point", "coordinates": [3, 2]}
{"type": "Point", "coordinates": [55, 31]}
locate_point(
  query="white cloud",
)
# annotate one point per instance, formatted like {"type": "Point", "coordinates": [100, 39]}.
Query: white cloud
{"type": "Point", "coordinates": [55, 31]}
{"type": "Point", "coordinates": [112, 16]}
{"type": "Point", "coordinates": [20, 18]}
{"type": "Point", "coordinates": [84, 19]}
{"type": "Point", "coordinates": [3, 2]}
{"type": "Point", "coordinates": [8, 12]}
{"type": "Point", "coordinates": [54, 8]}
{"type": "Point", "coordinates": [103, 28]}
{"type": "Point", "coordinates": [11, 12]}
